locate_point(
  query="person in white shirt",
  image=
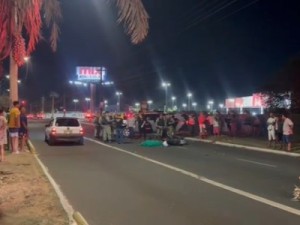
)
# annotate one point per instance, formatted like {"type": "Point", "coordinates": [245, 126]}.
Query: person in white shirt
{"type": "Point", "coordinates": [287, 131]}
{"type": "Point", "coordinates": [271, 129]}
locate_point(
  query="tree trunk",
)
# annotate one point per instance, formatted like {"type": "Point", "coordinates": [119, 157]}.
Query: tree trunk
{"type": "Point", "coordinates": [13, 80]}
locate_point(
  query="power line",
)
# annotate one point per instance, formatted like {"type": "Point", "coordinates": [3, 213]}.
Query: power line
{"type": "Point", "coordinates": [215, 11]}
{"type": "Point", "coordinates": [238, 10]}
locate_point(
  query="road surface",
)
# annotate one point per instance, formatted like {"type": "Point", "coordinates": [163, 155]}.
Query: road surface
{"type": "Point", "coordinates": [189, 185]}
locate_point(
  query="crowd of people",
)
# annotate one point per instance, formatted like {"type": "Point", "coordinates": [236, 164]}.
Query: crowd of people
{"type": "Point", "coordinates": [277, 128]}
{"type": "Point", "coordinates": [13, 129]}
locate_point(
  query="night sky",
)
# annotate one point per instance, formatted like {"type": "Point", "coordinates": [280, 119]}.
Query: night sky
{"type": "Point", "coordinates": [212, 48]}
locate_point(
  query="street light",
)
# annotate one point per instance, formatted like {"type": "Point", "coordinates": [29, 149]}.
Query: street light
{"type": "Point", "coordinates": [211, 103]}
{"type": "Point", "coordinates": [75, 103]}
{"type": "Point", "coordinates": [166, 85]}
{"type": "Point", "coordinates": [221, 106]}
{"type": "Point", "coordinates": [26, 58]}
{"type": "Point", "coordinates": [105, 104]}
{"type": "Point", "coordinates": [118, 94]}
{"type": "Point", "coordinates": [88, 100]}
{"type": "Point", "coordinates": [194, 104]}
{"type": "Point", "coordinates": [189, 95]}
{"type": "Point", "coordinates": [173, 101]}
{"type": "Point", "coordinates": [184, 105]}
{"type": "Point", "coordinates": [150, 102]}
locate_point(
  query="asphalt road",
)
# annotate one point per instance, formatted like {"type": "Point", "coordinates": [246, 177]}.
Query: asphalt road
{"type": "Point", "coordinates": [190, 185]}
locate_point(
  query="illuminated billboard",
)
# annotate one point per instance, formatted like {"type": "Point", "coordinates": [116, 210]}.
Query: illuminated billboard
{"type": "Point", "coordinates": [254, 101]}
{"type": "Point", "coordinates": [91, 74]}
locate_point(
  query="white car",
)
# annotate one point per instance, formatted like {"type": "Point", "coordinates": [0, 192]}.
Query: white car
{"type": "Point", "coordinates": [64, 129]}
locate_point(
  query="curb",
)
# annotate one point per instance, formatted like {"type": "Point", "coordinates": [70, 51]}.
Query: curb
{"type": "Point", "coordinates": [266, 150]}
{"type": "Point", "coordinates": [75, 218]}
{"type": "Point", "coordinates": [31, 147]}
{"type": "Point", "coordinates": [79, 219]}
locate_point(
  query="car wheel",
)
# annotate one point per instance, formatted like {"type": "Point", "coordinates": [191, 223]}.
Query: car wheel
{"type": "Point", "coordinates": [51, 141]}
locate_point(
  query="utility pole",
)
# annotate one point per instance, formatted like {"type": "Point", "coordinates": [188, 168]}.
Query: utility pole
{"type": "Point", "coordinates": [64, 101]}
{"type": "Point", "coordinates": [43, 105]}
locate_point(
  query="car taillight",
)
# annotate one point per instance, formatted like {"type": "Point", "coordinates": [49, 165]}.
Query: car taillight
{"type": "Point", "coordinates": [53, 131]}
{"type": "Point", "coordinates": [81, 131]}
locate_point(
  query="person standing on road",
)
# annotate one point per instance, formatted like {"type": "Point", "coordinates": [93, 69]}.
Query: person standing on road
{"type": "Point", "coordinates": [97, 125]}
{"type": "Point", "coordinates": [287, 131]}
{"type": "Point", "coordinates": [14, 126]}
{"type": "Point", "coordinates": [106, 124]}
{"type": "Point", "coordinates": [279, 131]}
{"type": "Point", "coordinates": [271, 130]}
{"type": "Point", "coordinates": [23, 131]}
{"type": "Point", "coordinates": [201, 122]}
{"type": "Point", "coordinates": [160, 123]}
{"type": "Point", "coordinates": [3, 134]}
{"type": "Point", "coordinates": [120, 125]}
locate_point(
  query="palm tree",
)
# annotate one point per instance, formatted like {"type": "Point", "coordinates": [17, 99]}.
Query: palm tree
{"type": "Point", "coordinates": [21, 22]}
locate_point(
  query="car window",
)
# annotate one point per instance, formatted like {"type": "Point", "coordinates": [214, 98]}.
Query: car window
{"type": "Point", "coordinates": [67, 122]}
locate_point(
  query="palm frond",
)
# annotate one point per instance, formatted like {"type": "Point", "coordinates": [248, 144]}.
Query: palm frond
{"type": "Point", "coordinates": [135, 18]}
{"type": "Point", "coordinates": [52, 15]}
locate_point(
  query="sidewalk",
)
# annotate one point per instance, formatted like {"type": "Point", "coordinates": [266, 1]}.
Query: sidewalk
{"type": "Point", "coordinates": [256, 144]}
{"type": "Point", "coordinates": [26, 196]}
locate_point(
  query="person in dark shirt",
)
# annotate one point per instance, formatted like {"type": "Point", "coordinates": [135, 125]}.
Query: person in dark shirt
{"type": "Point", "coordinates": [23, 131]}
{"type": "Point", "coordinates": [120, 125]}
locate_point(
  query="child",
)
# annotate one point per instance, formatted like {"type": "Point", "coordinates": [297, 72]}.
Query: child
{"type": "Point", "coordinates": [3, 134]}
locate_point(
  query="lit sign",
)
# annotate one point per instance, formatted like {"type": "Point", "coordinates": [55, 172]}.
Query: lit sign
{"type": "Point", "coordinates": [90, 74]}
{"type": "Point", "coordinates": [254, 101]}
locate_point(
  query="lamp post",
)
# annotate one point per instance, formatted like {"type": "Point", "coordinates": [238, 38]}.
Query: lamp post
{"type": "Point", "coordinates": [150, 102]}
{"type": "Point", "coordinates": [137, 105]}
{"type": "Point", "coordinates": [75, 103]}
{"type": "Point", "coordinates": [184, 105]}
{"type": "Point", "coordinates": [119, 94]}
{"type": "Point", "coordinates": [194, 104]}
{"type": "Point", "coordinates": [211, 105]}
{"type": "Point", "coordinates": [166, 85]}
{"type": "Point", "coordinates": [88, 100]}
{"type": "Point", "coordinates": [173, 101]}
{"type": "Point", "coordinates": [189, 95]}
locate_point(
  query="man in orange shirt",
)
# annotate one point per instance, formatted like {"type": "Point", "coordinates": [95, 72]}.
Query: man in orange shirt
{"type": "Point", "coordinates": [14, 126]}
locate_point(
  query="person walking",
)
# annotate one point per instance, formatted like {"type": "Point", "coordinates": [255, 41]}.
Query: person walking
{"type": "Point", "coordinates": [288, 126]}
{"type": "Point", "coordinates": [3, 134]}
{"type": "Point", "coordinates": [201, 122]}
{"type": "Point", "coordinates": [14, 125]}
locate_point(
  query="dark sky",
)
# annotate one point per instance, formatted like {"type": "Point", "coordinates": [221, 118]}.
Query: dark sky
{"type": "Point", "coordinates": [213, 48]}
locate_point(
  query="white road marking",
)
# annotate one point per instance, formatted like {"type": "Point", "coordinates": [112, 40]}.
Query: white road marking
{"type": "Point", "coordinates": [63, 200]}
{"type": "Point", "coordinates": [257, 163]}
{"type": "Point", "coordinates": [206, 180]}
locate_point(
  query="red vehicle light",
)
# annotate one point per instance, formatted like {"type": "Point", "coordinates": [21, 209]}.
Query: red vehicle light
{"type": "Point", "coordinates": [53, 131]}
{"type": "Point", "coordinates": [81, 131]}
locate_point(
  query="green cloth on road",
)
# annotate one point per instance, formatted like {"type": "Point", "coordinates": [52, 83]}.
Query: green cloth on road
{"type": "Point", "coordinates": [152, 143]}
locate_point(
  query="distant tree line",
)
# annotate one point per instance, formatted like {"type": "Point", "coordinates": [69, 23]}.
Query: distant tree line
{"type": "Point", "coordinates": [284, 87]}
